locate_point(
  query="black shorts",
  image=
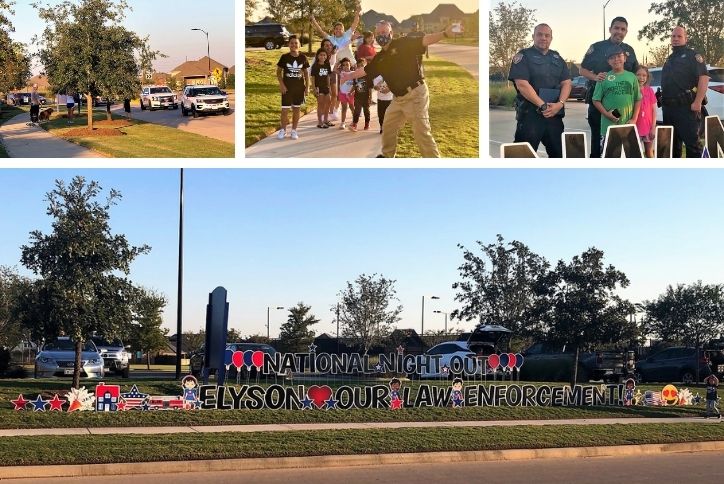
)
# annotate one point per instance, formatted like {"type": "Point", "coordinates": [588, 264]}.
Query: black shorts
{"type": "Point", "coordinates": [323, 90]}
{"type": "Point", "coordinates": [294, 98]}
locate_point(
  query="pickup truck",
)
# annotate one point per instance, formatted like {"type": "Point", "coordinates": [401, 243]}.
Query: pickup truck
{"type": "Point", "coordinates": [550, 362]}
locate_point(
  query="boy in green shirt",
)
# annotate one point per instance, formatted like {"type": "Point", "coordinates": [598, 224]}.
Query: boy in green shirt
{"type": "Point", "coordinates": [619, 92]}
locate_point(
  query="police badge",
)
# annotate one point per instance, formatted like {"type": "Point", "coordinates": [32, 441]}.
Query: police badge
{"type": "Point", "coordinates": [517, 58]}
{"type": "Point", "coordinates": [699, 58]}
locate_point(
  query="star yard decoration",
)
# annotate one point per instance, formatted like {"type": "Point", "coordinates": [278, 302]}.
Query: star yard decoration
{"type": "Point", "coordinates": [312, 348]}
{"type": "Point", "coordinates": [39, 404]}
{"type": "Point", "coordinates": [20, 403]}
{"type": "Point", "coordinates": [56, 403]}
{"type": "Point", "coordinates": [134, 399]}
{"type": "Point", "coordinates": [396, 404]}
{"type": "Point", "coordinates": [121, 406]}
{"type": "Point", "coordinates": [307, 403]}
{"type": "Point", "coordinates": [445, 370]}
{"type": "Point", "coordinates": [145, 406]}
{"type": "Point", "coordinates": [331, 403]}
{"type": "Point", "coordinates": [378, 368]}
{"type": "Point", "coordinates": [400, 350]}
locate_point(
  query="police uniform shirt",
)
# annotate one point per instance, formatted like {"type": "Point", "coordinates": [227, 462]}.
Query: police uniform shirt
{"type": "Point", "coordinates": [596, 58]}
{"type": "Point", "coordinates": [292, 66]}
{"type": "Point", "coordinates": [681, 71]}
{"type": "Point", "coordinates": [541, 71]}
{"type": "Point", "coordinates": [398, 64]}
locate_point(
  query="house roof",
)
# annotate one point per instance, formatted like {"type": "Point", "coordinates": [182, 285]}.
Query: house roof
{"type": "Point", "coordinates": [196, 68]}
{"type": "Point", "coordinates": [41, 81]}
{"type": "Point", "coordinates": [448, 10]}
{"type": "Point", "coordinates": [267, 20]}
{"type": "Point", "coordinates": [371, 17]}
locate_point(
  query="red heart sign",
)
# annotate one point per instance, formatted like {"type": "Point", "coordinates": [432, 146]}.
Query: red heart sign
{"type": "Point", "coordinates": [493, 361]}
{"type": "Point", "coordinates": [319, 394]}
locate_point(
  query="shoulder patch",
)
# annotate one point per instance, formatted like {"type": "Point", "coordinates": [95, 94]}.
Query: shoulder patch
{"type": "Point", "coordinates": [517, 58]}
{"type": "Point", "coordinates": [556, 56]}
{"type": "Point", "coordinates": [589, 51]}
{"type": "Point", "coordinates": [699, 58]}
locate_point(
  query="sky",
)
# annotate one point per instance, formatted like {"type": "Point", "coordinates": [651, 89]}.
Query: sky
{"type": "Point", "coordinates": [167, 22]}
{"type": "Point", "coordinates": [278, 237]}
{"type": "Point", "coordinates": [577, 25]}
{"type": "Point", "coordinates": [401, 10]}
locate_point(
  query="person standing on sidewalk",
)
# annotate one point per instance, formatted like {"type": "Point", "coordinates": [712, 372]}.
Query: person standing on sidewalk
{"type": "Point", "coordinates": [34, 105]}
{"type": "Point", "coordinates": [397, 64]}
{"type": "Point", "coordinates": [384, 98]}
{"type": "Point", "coordinates": [293, 78]}
{"type": "Point", "coordinates": [70, 106]}
{"type": "Point", "coordinates": [594, 68]}
{"type": "Point", "coordinates": [362, 98]}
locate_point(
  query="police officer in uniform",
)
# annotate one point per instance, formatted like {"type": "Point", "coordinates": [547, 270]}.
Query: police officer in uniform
{"type": "Point", "coordinates": [684, 80]}
{"type": "Point", "coordinates": [398, 65]}
{"type": "Point", "coordinates": [594, 68]}
{"type": "Point", "coordinates": [543, 83]}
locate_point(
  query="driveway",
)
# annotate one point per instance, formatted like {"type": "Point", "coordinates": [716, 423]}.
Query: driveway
{"type": "Point", "coordinates": [465, 56]}
{"type": "Point", "coordinates": [215, 126]}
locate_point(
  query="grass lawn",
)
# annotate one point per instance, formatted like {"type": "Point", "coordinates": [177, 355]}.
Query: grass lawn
{"type": "Point", "coordinates": [142, 140]}
{"type": "Point", "coordinates": [7, 113]}
{"type": "Point", "coordinates": [74, 449]}
{"type": "Point", "coordinates": [471, 41]}
{"type": "Point", "coordinates": [9, 390]}
{"type": "Point", "coordinates": [453, 105]}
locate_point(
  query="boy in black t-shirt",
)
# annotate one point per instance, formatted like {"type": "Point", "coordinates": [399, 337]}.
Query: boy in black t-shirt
{"type": "Point", "coordinates": [293, 80]}
{"type": "Point", "coordinates": [712, 382]}
{"type": "Point", "coordinates": [362, 98]}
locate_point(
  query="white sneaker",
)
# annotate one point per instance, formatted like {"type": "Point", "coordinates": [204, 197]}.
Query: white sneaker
{"type": "Point", "coordinates": [343, 126]}
{"type": "Point", "coordinates": [294, 134]}
{"type": "Point", "coordinates": [280, 134]}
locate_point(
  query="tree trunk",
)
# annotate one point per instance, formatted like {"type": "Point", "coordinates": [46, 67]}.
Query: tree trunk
{"type": "Point", "coordinates": [575, 369]}
{"type": "Point", "coordinates": [311, 33]}
{"type": "Point", "coordinates": [78, 362]}
{"type": "Point", "coordinates": [697, 358]}
{"type": "Point", "coordinates": [89, 108]}
{"type": "Point", "coordinates": [148, 360]}
{"type": "Point", "coordinates": [109, 117]}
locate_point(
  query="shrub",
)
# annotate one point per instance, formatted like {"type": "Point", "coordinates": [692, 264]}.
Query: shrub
{"type": "Point", "coordinates": [502, 94]}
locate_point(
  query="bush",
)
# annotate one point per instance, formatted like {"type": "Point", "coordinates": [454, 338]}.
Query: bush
{"type": "Point", "coordinates": [16, 372]}
{"type": "Point", "coordinates": [4, 360]}
{"type": "Point", "coordinates": [502, 94]}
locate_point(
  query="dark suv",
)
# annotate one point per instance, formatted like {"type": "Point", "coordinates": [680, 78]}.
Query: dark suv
{"type": "Point", "coordinates": [196, 361]}
{"type": "Point", "coordinates": [269, 36]}
{"type": "Point", "coordinates": [677, 364]}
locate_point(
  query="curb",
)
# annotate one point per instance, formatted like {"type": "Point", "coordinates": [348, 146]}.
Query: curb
{"type": "Point", "coordinates": [328, 461]}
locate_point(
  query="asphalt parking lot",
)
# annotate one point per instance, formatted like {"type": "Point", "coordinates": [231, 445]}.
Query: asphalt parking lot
{"type": "Point", "coordinates": [502, 126]}
{"type": "Point", "coordinates": [216, 126]}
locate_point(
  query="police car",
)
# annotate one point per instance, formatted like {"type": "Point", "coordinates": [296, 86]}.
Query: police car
{"type": "Point", "coordinates": [715, 93]}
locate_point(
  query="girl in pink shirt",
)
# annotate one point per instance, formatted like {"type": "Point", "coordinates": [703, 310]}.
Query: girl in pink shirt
{"type": "Point", "coordinates": [646, 122]}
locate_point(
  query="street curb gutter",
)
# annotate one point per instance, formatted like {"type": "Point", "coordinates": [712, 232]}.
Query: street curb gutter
{"type": "Point", "coordinates": [328, 461]}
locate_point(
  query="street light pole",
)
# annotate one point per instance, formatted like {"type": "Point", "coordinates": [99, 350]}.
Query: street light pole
{"type": "Point", "coordinates": [443, 312]}
{"type": "Point", "coordinates": [604, 18]}
{"type": "Point", "coordinates": [422, 323]}
{"type": "Point", "coordinates": [208, 50]}
{"type": "Point", "coordinates": [179, 297]}
{"type": "Point", "coordinates": [268, 311]}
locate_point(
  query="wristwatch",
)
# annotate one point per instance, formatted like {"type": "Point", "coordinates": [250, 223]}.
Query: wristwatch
{"type": "Point", "coordinates": [542, 108]}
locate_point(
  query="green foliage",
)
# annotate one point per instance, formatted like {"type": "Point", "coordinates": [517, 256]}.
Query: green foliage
{"type": "Point", "coordinates": [147, 334]}
{"type": "Point", "coordinates": [499, 286]}
{"type": "Point", "coordinates": [12, 287]}
{"type": "Point", "coordinates": [501, 94]}
{"type": "Point", "coordinates": [511, 29]}
{"type": "Point", "coordinates": [365, 309]}
{"type": "Point", "coordinates": [686, 314]}
{"type": "Point", "coordinates": [173, 83]}
{"type": "Point", "coordinates": [231, 81]}
{"type": "Point", "coordinates": [85, 48]}
{"type": "Point", "coordinates": [249, 11]}
{"type": "Point", "coordinates": [193, 340]}
{"type": "Point", "coordinates": [295, 335]}
{"type": "Point", "coordinates": [82, 268]}
{"type": "Point", "coordinates": [14, 58]}
{"type": "Point", "coordinates": [703, 20]}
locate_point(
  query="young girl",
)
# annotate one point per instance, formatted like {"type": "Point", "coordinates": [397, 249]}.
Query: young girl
{"type": "Point", "coordinates": [646, 121]}
{"type": "Point", "coordinates": [362, 98]}
{"type": "Point", "coordinates": [367, 49]}
{"type": "Point", "coordinates": [346, 96]}
{"type": "Point", "coordinates": [331, 51]}
{"type": "Point", "coordinates": [384, 99]}
{"type": "Point", "coordinates": [320, 76]}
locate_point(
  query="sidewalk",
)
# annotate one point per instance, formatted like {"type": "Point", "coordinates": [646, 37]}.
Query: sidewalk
{"type": "Point", "coordinates": [22, 141]}
{"type": "Point", "coordinates": [314, 142]}
{"type": "Point", "coordinates": [340, 426]}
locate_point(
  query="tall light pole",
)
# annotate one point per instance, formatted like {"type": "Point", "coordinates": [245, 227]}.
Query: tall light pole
{"type": "Point", "coordinates": [179, 297]}
{"type": "Point", "coordinates": [604, 18]}
{"type": "Point", "coordinates": [268, 311]}
{"type": "Point", "coordinates": [208, 51]}
{"type": "Point", "coordinates": [446, 314]}
{"type": "Point", "coordinates": [422, 323]}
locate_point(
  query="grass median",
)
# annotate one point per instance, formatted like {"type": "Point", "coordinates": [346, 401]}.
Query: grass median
{"type": "Point", "coordinates": [139, 139]}
{"type": "Point", "coordinates": [96, 449]}
{"type": "Point", "coordinates": [10, 419]}
{"type": "Point", "coordinates": [453, 106]}
{"type": "Point", "coordinates": [7, 112]}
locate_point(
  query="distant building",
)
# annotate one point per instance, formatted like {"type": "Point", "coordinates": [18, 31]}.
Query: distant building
{"type": "Point", "coordinates": [196, 72]}
{"type": "Point", "coordinates": [266, 20]}
{"type": "Point", "coordinates": [437, 20]}
{"type": "Point", "coordinates": [371, 17]}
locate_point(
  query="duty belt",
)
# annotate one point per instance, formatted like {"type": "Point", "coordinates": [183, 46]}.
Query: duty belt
{"type": "Point", "coordinates": [413, 86]}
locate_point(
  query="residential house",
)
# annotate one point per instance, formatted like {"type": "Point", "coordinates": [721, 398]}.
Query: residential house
{"type": "Point", "coordinates": [437, 20]}
{"type": "Point", "coordinates": [197, 72]}
{"type": "Point", "coordinates": [370, 18]}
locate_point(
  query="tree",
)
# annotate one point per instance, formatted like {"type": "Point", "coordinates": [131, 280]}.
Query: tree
{"type": "Point", "coordinates": [194, 341]}
{"type": "Point", "coordinates": [584, 308]}
{"type": "Point", "coordinates": [85, 49]}
{"type": "Point", "coordinates": [688, 314]}
{"type": "Point", "coordinates": [230, 81]}
{"type": "Point", "coordinates": [14, 58]}
{"type": "Point", "coordinates": [511, 29]}
{"type": "Point", "coordinates": [499, 286]}
{"type": "Point", "coordinates": [326, 12]}
{"type": "Point", "coordinates": [233, 336]}
{"type": "Point", "coordinates": [250, 8]}
{"type": "Point", "coordinates": [278, 10]}
{"type": "Point", "coordinates": [365, 311]}
{"type": "Point", "coordinates": [659, 55]}
{"type": "Point", "coordinates": [173, 83]}
{"type": "Point", "coordinates": [12, 287]}
{"type": "Point", "coordinates": [703, 20]}
{"type": "Point", "coordinates": [147, 334]}
{"type": "Point", "coordinates": [295, 335]}
{"type": "Point", "coordinates": [83, 286]}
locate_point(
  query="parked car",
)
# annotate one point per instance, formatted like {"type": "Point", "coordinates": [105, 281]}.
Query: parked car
{"type": "Point", "coordinates": [196, 359]}
{"type": "Point", "coordinates": [158, 97]}
{"type": "Point", "coordinates": [553, 362]}
{"type": "Point", "coordinates": [102, 101]}
{"type": "Point", "coordinates": [115, 358]}
{"type": "Point", "coordinates": [57, 358]}
{"type": "Point", "coordinates": [676, 364]}
{"type": "Point", "coordinates": [715, 93]}
{"type": "Point", "coordinates": [714, 351]}
{"type": "Point", "coordinates": [579, 88]}
{"type": "Point", "coordinates": [23, 99]}
{"type": "Point", "coordinates": [204, 99]}
{"type": "Point", "coordinates": [269, 36]}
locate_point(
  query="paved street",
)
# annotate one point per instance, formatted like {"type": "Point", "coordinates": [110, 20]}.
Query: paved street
{"type": "Point", "coordinates": [215, 126]}
{"type": "Point", "coordinates": [502, 126]}
{"type": "Point", "coordinates": [668, 467]}
{"type": "Point", "coordinates": [465, 56]}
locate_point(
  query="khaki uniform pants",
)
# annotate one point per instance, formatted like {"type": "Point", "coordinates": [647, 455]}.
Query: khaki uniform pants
{"type": "Point", "coordinates": [411, 107]}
